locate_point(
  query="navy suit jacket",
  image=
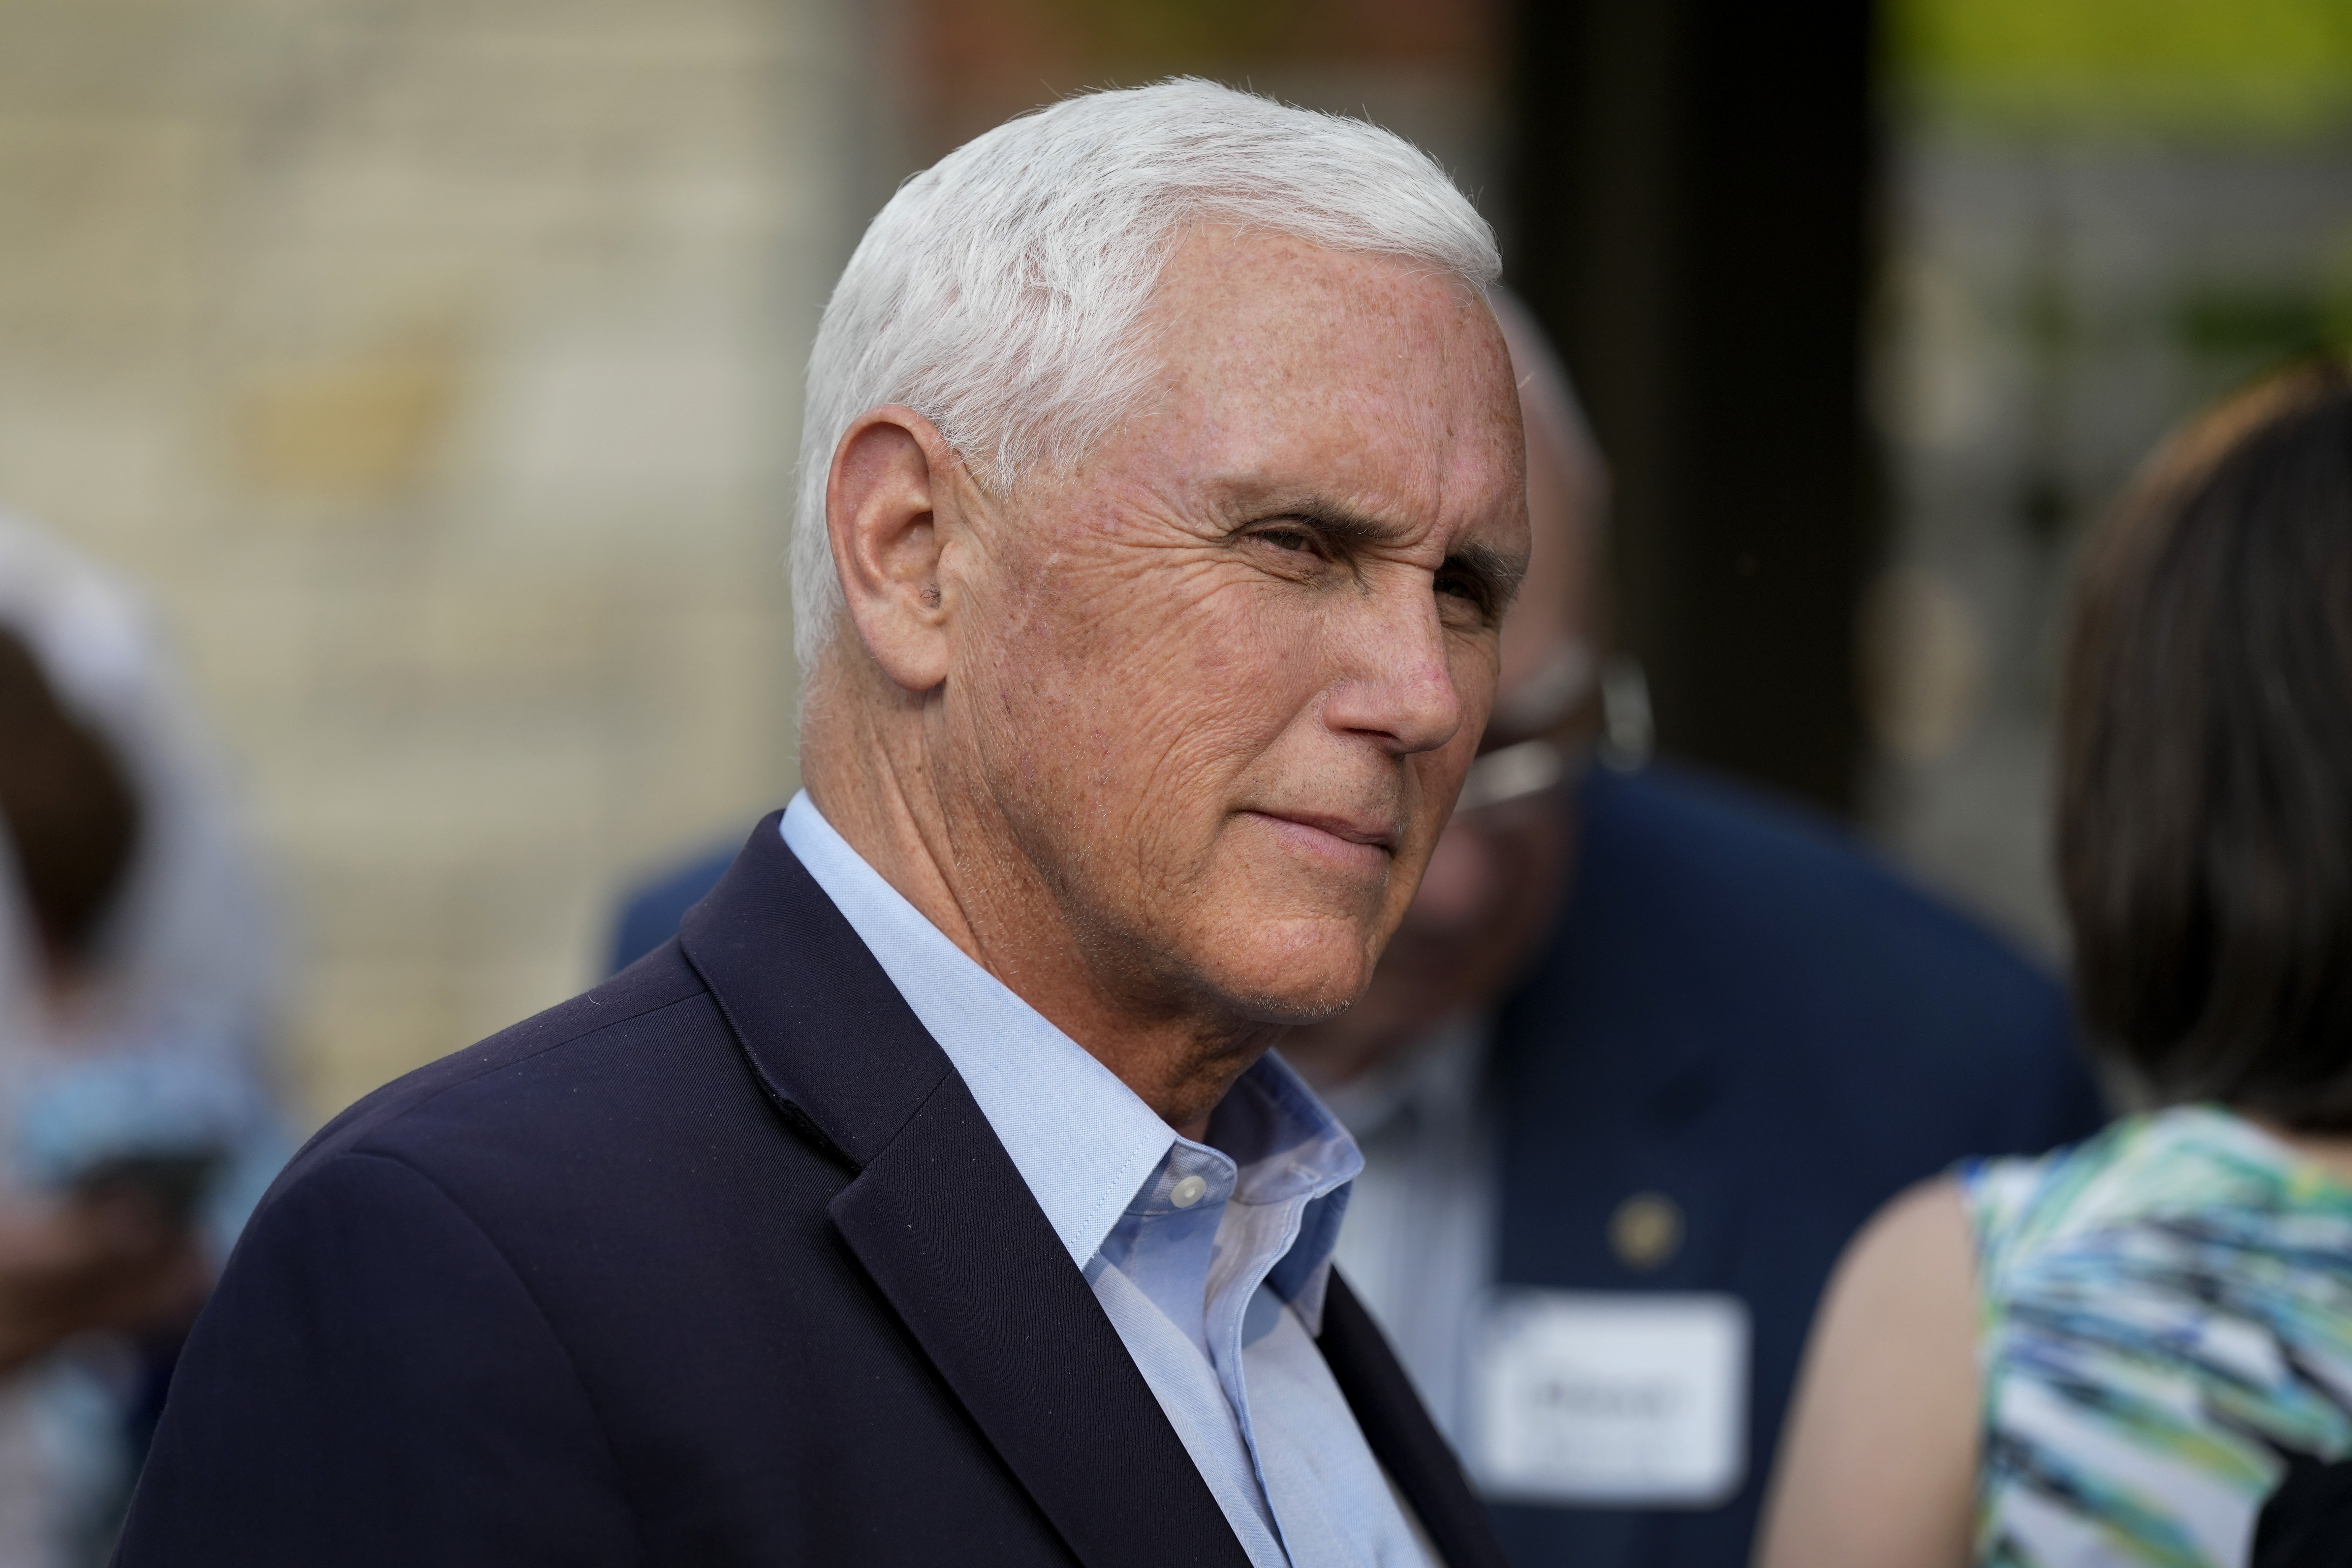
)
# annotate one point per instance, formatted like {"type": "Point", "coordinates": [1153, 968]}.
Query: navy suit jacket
{"type": "Point", "coordinates": [717, 1264]}
{"type": "Point", "coordinates": [1740, 1010]}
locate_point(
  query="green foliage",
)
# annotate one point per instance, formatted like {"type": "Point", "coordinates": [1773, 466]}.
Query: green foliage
{"type": "Point", "coordinates": [2227, 69]}
{"type": "Point", "coordinates": [2252, 325]}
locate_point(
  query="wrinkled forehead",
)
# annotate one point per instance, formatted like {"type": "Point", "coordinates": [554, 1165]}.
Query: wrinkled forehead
{"type": "Point", "coordinates": [1283, 366]}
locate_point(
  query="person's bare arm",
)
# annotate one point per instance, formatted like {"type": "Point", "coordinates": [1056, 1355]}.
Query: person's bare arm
{"type": "Point", "coordinates": [1878, 1465]}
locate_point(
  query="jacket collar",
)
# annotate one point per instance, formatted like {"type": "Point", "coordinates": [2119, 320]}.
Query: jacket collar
{"type": "Point", "coordinates": [1082, 1140]}
{"type": "Point", "coordinates": [943, 1223]}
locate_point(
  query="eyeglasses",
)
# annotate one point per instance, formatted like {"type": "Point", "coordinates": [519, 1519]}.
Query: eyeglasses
{"type": "Point", "coordinates": [1530, 767]}
{"type": "Point", "coordinates": [1525, 769]}
{"type": "Point", "coordinates": [1518, 772]}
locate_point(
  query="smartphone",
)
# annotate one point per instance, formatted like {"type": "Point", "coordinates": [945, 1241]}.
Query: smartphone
{"type": "Point", "coordinates": [175, 1182]}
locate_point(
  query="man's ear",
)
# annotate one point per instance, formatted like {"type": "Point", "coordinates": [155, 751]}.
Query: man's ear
{"type": "Point", "coordinates": [890, 473]}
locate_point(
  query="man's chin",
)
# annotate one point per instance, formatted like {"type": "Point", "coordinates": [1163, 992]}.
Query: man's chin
{"type": "Point", "coordinates": [1294, 1012]}
{"type": "Point", "coordinates": [1295, 996]}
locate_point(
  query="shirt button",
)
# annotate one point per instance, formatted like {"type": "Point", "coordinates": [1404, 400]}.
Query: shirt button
{"type": "Point", "coordinates": [1188, 1191]}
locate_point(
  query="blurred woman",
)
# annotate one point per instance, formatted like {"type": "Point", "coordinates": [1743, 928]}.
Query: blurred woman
{"type": "Point", "coordinates": [135, 988]}
{"type": "Point", "coordinates": [2113, 1354]}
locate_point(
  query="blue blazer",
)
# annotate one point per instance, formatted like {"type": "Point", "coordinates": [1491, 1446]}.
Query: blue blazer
{"type": "Point", "coordinates": [717, 1264]}
{"type": "Point", "coordinates": [1740, 1010]}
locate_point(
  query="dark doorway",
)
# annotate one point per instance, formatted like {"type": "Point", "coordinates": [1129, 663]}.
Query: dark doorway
{"type": "Point", "coordinates": [1691, 183]}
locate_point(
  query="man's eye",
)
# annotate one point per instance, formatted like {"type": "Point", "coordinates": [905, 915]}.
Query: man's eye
{"type": "Point", "coordinates": [1288, 539]}
{"type": "Point", "coordinates": [1458, 588]}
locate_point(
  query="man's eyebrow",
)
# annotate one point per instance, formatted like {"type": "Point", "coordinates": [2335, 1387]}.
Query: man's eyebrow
{"type": "Point", "coordinates": [1353, 527]}
{"type": "Point", "coordinates": [1500, 574]}
{"type": "Point", "coordinates": [1496, 571]}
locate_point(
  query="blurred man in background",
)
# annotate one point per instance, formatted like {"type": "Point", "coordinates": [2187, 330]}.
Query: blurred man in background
{"type": "Point", "coordinates": [1647, 1050]}
{"type": "Point", "coordinates": [136, 987]}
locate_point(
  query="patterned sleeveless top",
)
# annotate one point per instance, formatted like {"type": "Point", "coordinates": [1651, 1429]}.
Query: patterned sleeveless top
{"type": "Point", "coordinates": [2165, 1308]}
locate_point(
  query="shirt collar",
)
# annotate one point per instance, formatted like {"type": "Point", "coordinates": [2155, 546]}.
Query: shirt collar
{"type": "Point", "coordinates": [1290, 1148]}
{"type": "Point", "coordinates": [1081, 1139]}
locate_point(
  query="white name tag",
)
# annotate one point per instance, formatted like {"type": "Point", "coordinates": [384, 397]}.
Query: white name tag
{"type": "Point", "coordinates": [1609, 1397]}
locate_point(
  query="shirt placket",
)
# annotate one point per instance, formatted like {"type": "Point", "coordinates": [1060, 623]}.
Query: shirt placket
{"type": "Point", "coordinates": [1228, 1315]}
{"type": "Point", "coordinates": [1168, 1239]}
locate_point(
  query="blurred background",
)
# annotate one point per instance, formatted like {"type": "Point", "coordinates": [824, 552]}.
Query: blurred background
{"type": "Point", "coordinates": [435, 368]}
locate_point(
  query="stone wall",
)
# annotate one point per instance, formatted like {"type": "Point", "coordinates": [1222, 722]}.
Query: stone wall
{"type": "Point", "coordinates": [435, 365]}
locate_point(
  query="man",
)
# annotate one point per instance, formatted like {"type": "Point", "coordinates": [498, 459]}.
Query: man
{"type": "Point", "coordinates": [933, 1198]}
{"type": "Point", "coordinates": [1646, 1050]}
{"type": "Point", "coordinates": [1645, 1053]}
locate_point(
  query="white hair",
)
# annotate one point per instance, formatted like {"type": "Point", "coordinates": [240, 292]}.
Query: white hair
{"type": "Point", "coordinates": [998, 293]}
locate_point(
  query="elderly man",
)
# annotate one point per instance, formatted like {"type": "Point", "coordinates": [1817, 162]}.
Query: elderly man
{"type": "Point", "coordinates": [933, 1199]}
{"type": "Point", "coordinates": [1646, 1051]}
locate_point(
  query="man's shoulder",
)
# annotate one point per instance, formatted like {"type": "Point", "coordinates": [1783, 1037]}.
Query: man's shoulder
{"type": "Point", "coordinates": [526, 1096]}
{"type": "Point", "coordinates": [1720, 873]}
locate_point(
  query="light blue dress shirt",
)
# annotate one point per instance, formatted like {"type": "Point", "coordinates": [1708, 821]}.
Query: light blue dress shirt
{"type": "Point", "coordinates": [1210, 1259]}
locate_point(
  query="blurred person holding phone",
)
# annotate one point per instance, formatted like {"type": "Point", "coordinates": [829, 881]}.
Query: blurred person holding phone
{"type": "Point", "coordinates": [135, 988]}
{"type": "Point", "coordinates": [1645, 1052]}
{"type": "Point", "coordinates": [2112, 1356]}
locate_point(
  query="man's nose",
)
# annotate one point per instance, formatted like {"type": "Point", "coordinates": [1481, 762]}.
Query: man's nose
{"type": "Point", "coordinates": [1396, 683]}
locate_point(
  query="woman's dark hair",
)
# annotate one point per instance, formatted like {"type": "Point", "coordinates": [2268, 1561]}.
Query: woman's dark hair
{"type": "Point", "coordinates": [2205, 774]}
{"type": "Point", "coordinates": [67, 806]}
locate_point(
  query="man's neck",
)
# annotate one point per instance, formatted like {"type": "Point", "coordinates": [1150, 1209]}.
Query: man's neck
{"type": "Point", "coordinates": [876, 775]}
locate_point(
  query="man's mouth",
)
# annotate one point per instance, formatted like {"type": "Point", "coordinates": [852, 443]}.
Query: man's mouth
{"type": "Point", "coordinates": [1366, 842]}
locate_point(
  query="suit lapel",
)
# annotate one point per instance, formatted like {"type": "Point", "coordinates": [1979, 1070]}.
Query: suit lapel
{"type": "Point", "coordinates": [944, 1224]}
{"type": "Point", "coordinates": [946, 1227]}
{"type": "Point", "coordinates": [1401, 1434]}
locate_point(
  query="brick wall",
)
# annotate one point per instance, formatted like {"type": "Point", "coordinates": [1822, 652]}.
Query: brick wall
{"type": "Point", "coordinates": [436, 366]}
